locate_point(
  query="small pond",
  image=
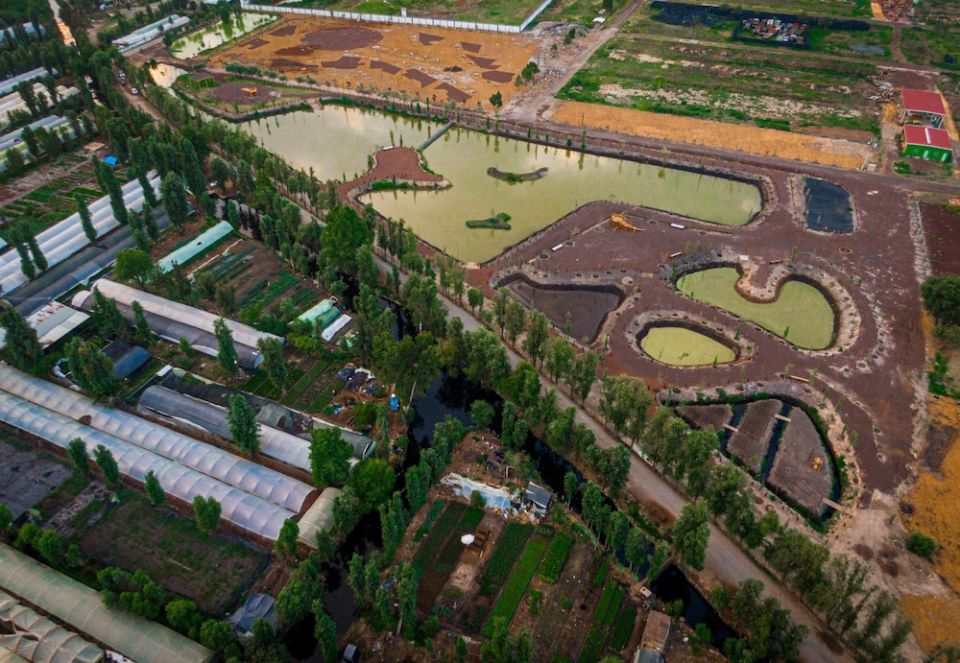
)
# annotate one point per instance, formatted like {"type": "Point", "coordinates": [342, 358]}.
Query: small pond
{"type": "Point", "coordinates": [801, 313]}
{"type": "Point", "coordinates": [215, 35]}
{"type": "Point", "coordinates": [680, 346]}
{"type": "Point", "coordinates": [573, 178]}
{"type": "Point", "coordinates": [165, 75]}
{"type": "Point", "coordinates": [828, 206]}
{"type": "Point", "coordinates": [578, 310]}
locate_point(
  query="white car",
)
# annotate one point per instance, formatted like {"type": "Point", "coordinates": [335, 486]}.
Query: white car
{"type": "Point", "coordinates": [134, 91]}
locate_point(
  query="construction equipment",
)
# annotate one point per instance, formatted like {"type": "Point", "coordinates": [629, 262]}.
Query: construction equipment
{"type": "Point", "coordinates": [620, 222]}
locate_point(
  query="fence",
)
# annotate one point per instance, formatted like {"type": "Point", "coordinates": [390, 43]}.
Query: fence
{"type": "Point", "coordinates": [401, 20]}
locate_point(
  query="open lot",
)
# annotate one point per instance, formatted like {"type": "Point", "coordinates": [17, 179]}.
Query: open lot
{"type": "Point", "coordinates": [235, 94]}
{"type": "Point", "coordinates": [508, 12]}
{"type": "Point", "coordinates": [435, 65]}
{"type": "Point", "coordinates": [53, 200]}
{"type": "Point", "coordinates": [27, 477]}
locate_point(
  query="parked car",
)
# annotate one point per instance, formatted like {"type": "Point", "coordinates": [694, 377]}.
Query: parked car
{"type": "Point", "coordinates": [134, 91]}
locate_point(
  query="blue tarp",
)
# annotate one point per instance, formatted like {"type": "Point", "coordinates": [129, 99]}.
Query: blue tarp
{"type": "Point", "coordinates": [110, 161]}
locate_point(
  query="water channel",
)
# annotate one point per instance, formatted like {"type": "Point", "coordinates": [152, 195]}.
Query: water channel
{"type": "Point", "coordinates": [216, 35]}
{"type": "Point", "coordinates": [801, 313]}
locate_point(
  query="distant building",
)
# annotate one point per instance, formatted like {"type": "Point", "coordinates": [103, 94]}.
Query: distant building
{"type": "Point", "coordinates": [538, 497]}
{"type": "Point", "coordinates": [921, 107]}
{"type": "Point", "coordinates": [127, 359]}
{"type": "Point", "coordinates": [255, 608]}
{"type": "Point", "coordinates": [656, 632]}
{"type": "Point", "coordinates": [927, 143]}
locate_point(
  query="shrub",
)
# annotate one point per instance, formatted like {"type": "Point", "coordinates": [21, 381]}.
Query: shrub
{"type": "Point", "coordinates": [922, 545]}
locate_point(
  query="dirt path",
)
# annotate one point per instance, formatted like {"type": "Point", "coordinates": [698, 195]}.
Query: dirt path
{"type": "Point", "coordinates": [528, 105]}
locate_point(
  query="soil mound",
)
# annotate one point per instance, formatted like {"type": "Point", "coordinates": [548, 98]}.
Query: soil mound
{"type": "Point", "coordinates": [341, 39]}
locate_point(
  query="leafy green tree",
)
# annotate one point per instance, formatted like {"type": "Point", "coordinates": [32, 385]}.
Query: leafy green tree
{"type": "Point", "coordinates": [77, 450]}
{"type": "Point", "coordinates": [86, 222]}
{"type": "Point", "coordinates": [583, 374]}
{"type": "Point", "coordinates": [486, 360]}
{"type": "Point", "coordinates": [501, 300]}
{"type": "Point", "coordinates": [264, 647]}
{"type": "Point", "coordinates": [22, 347]}
{"type": "Point", "coordinates": [154, 490]}
{"type": "Point", "coordinates": [346, 510]}
{"type": "Point", "coordinates": [244, 428]}
{"type": "Point", "coordinates": [184, 617]}
{"type": "Point", "coordinates": [141, 325]}
{"type": "Point", "coordinates": [661, 553]}
{"type": "Point", "coordinates": [91, 369]}
{"type": "Point", "coordinates": [496, 100]}
{"type": "Point", "coordinates": [690, 535]}
{"type": "Point", "coordinates": [536, 340]}
{"type": "Point", "coordinates": [460, 649]}
{"type": "Point", "coordinates": [571, 486]}
{"type": "Point", "coordinates": [941, 296]}
{"type": "Point", "coordinates": [274, 364]}
{"type": "Point", "coordinates": [206, 511]}
{"type": "Point", "coordinates": [134, 265]}
{"type": "Point", "coordinates": [174, 199]}
{"type": "Point", "coordinates": [515, 320]}
{"type": "Point", "coordinates": [216, 635]}
{"type": "Point", "coordinates": [410, 363]}
{"type": "Point", "coordinates": [6, 517]}
{"type": "Point", "coordinates": [475, 299]}
{"type": "Point", "coordinates": [481, 413]}
{"type": "Point", "coordinates": [407, 581]}
{"type": "Point", "coordinates": [343, 233]}
{"type": "Point", "coordinates": [325, 631]}
{"type": "Point", "coordinates": [503, 647]}
{"type": "Point", "coordinates": [922, 545]}
{"type": "Point", "coordinates": [108, 466]}
{"type": "Point", "coordinates": [286, 543]}
{"type": "Point", "coordinates": [50, 546]}
{"type": "Point", "coordinates": [559, 359]}
{"type": "Point", "coordinates": [372, 480]}
{"type": "Point", "coordinates": [329, 456]}
{"type": "Point", "coordinates": [226, 350]}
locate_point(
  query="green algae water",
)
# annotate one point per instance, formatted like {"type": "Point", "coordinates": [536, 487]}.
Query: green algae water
{"type": "Point", "coordinates": [574, 178]}
{"type": "Point", "coordinates": [679, 346]}
{"type": "Point", "coordinates": [336, 141]}
{"type": "Point", "coordinates": [216, 35]}
{"type": "Point", "coordinates": [801, 313]}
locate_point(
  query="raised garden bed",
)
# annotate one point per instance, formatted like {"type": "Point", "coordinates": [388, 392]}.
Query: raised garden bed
{"type": "Point", "coordinates": [516, 585]}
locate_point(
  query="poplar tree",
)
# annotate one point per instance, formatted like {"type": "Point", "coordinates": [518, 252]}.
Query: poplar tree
{"type": "Point", "coordinates": [151, 485]}
{"type": "Point", "coordinates": [77, 450]}
{"type": "Point", "coordinates": [91, 369]}
{"type": "Point", "coordinates": [22, 347]}
{"type": "Point", "coordinates": [226, 350]}
{"type": "Point", "coordinates": [174, 199]}
{"type": "Point", "coordinates": [39, 259]}
{"type": "Point", "coordinates": [140, 323]}
{"type": "Point", "coordinates": [274, 365]}
{"type": "Point", "coordinates": [108, 465]}
{"type": "Point", "coordinates": [207, 513]}
{"type": "Point", "coordinates": [244, 428]}
{"type": "Point", "coordinates": [85, 221]}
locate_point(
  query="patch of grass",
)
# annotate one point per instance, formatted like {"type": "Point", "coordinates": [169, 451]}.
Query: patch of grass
{"type": "Point", "coordinates": [516, 585]}
{"type": "Point", "coordinates": [555, 558]}
{"type": "Point", "coordinates": [471, 518]}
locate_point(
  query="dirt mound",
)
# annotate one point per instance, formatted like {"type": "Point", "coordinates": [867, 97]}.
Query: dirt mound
{"type": "Point", "coordinates": [454, 69]}
{"type": "Point", "coordinates": [420, 77]}
{"type": "Point", "coordinates": [341, 39]}
{"type": "Point", "coordinates": [468, 46]}
{"type": "Point", "coordinates": [453, 94]}
{"type": "Point", "coordinates": [343, 62]}
{"type": "Point", "coordinates": [428, 39]}
{"type": "Point", "coordinates": [284, 30]}
{"type": "Point", "coordinates": [256, 43]}
{"type": "Point", "coordinates": [484, 63]}
{"type": "Point", "coordinates": [384, 66]}
{"type": "Point", "coordinates": [498, 76]}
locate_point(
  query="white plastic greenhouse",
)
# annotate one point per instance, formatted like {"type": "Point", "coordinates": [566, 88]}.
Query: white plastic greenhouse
{"type": "Point", "coordinates": [50, 123]}
{"type": "Point", "coordinates": [274, 443]}
{"type": "Point", "coordinates": [247, 511]}
{"type": "Point", "coordinates": [66, 238]}
{"type": "Point", "coordinates": [7, 85]}
{"type": "Point", "coordinates": [33, 637]}
{"type": "Point", "coordinates": [216, 463]}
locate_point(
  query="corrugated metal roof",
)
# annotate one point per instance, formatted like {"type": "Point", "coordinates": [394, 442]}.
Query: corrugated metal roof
{"type": "Point", "coordinates": [52, 322]}
{"type": "Point", "coordinates": [922, 101]}
{"type": "Point", "coordinates": [926, 136]}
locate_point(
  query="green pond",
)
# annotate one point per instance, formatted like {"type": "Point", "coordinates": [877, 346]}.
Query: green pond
{"type": "Point", "coordinates": [574, 178]}
{"type": "Point", "coordinates": [801, 313]}
{"type": "Point", "coordinates": [203, 40]}
{"type": "Point", "coordinates": [680, 346]}
{"type": "Point", "coordinates": [336, 141]}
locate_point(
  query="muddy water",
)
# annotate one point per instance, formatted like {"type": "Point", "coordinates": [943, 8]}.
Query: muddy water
{"type": "Point", "coordinates": [801, 313]}
{"type": "Point", "coordinates": [573, 178]}
{"type": "Point", "coordinates": [680, 346]}
{"type": "Point", "coordinates": [164, 75]}
{"type": "Point", "coordinates": [336, 141]}
{"type": "Point", "coordinates": [198, 42]}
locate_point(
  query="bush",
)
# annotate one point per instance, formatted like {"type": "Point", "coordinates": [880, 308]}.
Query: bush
{"type": "Point", "coordinates": [921, 545]}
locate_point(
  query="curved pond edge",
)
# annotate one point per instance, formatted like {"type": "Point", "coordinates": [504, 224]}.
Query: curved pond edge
{"type": "Point", "coordinates": [642, 323]}
{"type": "Point", "coordinates": [506, 279]}
{"type": "Point", "coordinates": [846, 316]}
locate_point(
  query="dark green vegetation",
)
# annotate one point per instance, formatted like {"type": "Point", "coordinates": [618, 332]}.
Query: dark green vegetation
{"type": "Point", "coordinates": [500, 221]}
{"type": "Point", "coordinates": [508, 549]}
{"type": "Point", "coordinates": [516, 585]}
{"type": "Point", "coordinates": [54, 201]}
{"type": "Point", "coordinates": [937, 45]}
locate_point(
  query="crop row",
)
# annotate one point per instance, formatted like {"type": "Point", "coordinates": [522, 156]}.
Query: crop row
{"type": "Point", "coordinates": [623, 627]}
{"type": "Point", "coordinates": [516, 586]}
{"type": "Point", "coordinates": [555, 557]}
{"type": "Point", "coordinates": [603, 617]}
{"type": "Point", "coordinates": [508, 548]}
{"type": "Point", "coordinates": [438, 535]}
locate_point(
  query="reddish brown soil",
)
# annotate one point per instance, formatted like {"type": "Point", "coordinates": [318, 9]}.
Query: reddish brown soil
{"type": "Point", "coordinates": [281, 64]}
{"type": "Point", "coordinates": [484, 63]}
{"type": "Point", "coordinates": [498, 76]}
{"type": "Point", "coordinates": [343, 62]}
{"type": "Point", "coordinates": [256, 43]}
{"type": "Point", "coordinates": [402, 163]}
{"type": "Point", "coordinates": [874, 377]}
{"type": "Point", "coordinates": [284, 30]}
{"type": "Point", "coordinates": [428, 39]}
{"type": "Point", "coordinates": [473, 48]}
{"type": "Point", "coordinates": [453, 94]}
{"type": "Point", "coordinates": [233, 92]}
{"type": "Point", "coordinates": [341, 39]}
{"type": "Point", "coordinates": [942, 229]}
{"type": "Point", "coordinates": [384, 66]}
{"type": "Point", "coordinates": [420, 77]}
{"type": "Point", "coordinates": [297, 51]}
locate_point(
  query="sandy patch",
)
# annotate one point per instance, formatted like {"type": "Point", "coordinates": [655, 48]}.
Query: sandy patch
{"type": "Point", "coordinates": [769, 142]}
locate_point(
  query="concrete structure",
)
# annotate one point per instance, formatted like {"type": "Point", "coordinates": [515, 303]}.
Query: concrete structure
{"type": "Point", "coordinates": [921, 107]}
{"type": "Point", "coordinates": [927, 143]}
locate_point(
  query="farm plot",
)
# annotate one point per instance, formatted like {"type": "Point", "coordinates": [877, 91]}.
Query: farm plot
{"type": "Point", "coordinates": [516, 586]}
{"type": "Point", "coordinates": [509, 546]}
{"type": "Point", "coordinates": [238, 94]}
{"type": "Point", "coordinates": [212, 570]}
{"type": "Point", "coordinates": [749, 443]}
{"type": "Point", "coordinates": [779, 89]}
{"type": "Point", "coordinates": [938, 45]}
{"type": "Point", "coordinates": [51, 202]}
{"type": "Point", "coordinates": [604, 617]}
{"type": "Point", "coordinates": [557, 633]}
{"type": "Point", "coordinates": [442, 548]}
{"type": "Point", "coordinates": [707, 416]}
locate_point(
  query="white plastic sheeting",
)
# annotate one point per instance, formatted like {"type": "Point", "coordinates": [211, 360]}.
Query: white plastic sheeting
{"type": "Point", "coordinates": [335, 326]}
{"type": "Point", "coordinates": [149, 32]}
{"type": "Point", "coordinates": [66, 238]}
{"type": "Point", "coordinates": [243, 509]}
{"type": "Point", "coordinates": [7, 85]}
{"type": "Point", "coordinates": [15, 137]}
{"type": "Point", "coordinates": [14, 102]}
{"type": "Point", "coordinates": [35, 638]}
{"type": "Point", "coordinates": [202, 242]}
{"type": "Point", "coordinates": [493, 497]}
{"type": "Point", "coordinates": [274, 443]}
{"type": "Point", "coordinates": [318, 517]}
{"type": "Point", "coordinates": [218, 464]}
{"type": "Point", "coordinates": [188, 315]}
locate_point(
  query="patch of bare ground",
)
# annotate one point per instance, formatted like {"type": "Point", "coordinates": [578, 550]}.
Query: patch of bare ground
{"type": "Point", "coordinates": [801, 468]}
{"type": "Point", "coordinates": [707, 416]}
{"type": "Point", "coordinates": [547, 636]}
{"type": "Point", "coordinates": [750, 441]}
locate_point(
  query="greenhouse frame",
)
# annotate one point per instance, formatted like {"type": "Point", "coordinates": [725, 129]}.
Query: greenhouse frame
{"type": "Point", "coordinates": [220, 465]}
{"type": "Point", "coordinates": [33, 637]}
{"type": "Point", "coordinates": [82, 608]}
{"type": "Point", "coordinates": [318, 517]}
{"type": "Point", "coordinates": [194, 247]}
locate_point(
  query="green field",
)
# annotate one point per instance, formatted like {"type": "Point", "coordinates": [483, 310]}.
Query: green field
{"type": "Point", "coordinates": [52, 202]}
{"type": "Point", "coordinates": [938, 46]}
{"type": "Point", "coordinates": [516, 585]}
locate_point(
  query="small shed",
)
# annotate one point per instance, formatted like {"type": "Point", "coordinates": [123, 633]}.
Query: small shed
{"type": "Point", "coordinates": [53, 322]}
{"type": "Point", "coordinates": [351, 654]}
{"type": "Point", "coordinates": [927, 143]}
{"type": "Point", "coordinates": [127, 359]}
{"type": "Point", "coordinates": [656, 632]}
{"type": "Point", "coordinates": [255, 608]}
{"type": "Point", "coordinates": [110, 160]}
{"type": "Point", "coordinates": [921, 107]}
{"type": "Point", "coordinates": [538, 497]}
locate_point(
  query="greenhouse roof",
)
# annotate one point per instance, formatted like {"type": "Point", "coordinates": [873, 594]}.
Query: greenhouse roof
{"type": "Point", "coordinates": [316, 311]}
{"type": "Point", "coordinates": [83, 608]}
{"type": "Point", "coordinates": [196, 246]}
{"type": "Point", "coordinates": [318, 517]}
{"type": "Point", "coordinates": [52, 322]}
{"type": "Point", "coordinates": [30, 635]}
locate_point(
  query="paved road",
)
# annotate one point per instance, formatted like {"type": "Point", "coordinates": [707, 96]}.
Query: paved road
{"type": "Point", "coordinates": [725, 561]}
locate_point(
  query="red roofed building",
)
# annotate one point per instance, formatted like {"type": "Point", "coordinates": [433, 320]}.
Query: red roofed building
{"type": "Point", "coordinates": [921, 107]}
{"type": "Point", "coordinates": [927, 143]}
